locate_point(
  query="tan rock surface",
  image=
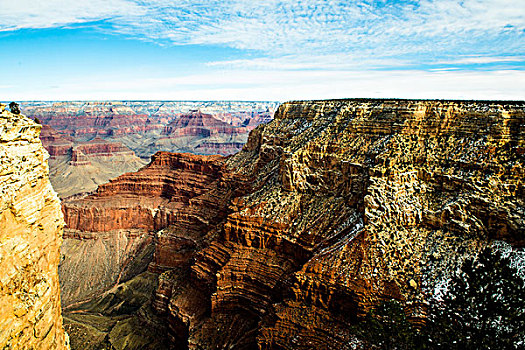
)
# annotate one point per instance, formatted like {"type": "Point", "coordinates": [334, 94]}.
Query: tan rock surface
{"type": "Point", "coordinates": [30, 236]}
{"type": "Point", "coordinates": [327, 210]}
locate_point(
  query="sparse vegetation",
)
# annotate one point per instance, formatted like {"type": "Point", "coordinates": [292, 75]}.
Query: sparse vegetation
{"type": "Point", "coordinates": [386, 327]}
{"type": "Point", "coordinates": [484, 308]}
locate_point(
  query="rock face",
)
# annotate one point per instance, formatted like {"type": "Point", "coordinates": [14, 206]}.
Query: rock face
{"type": "Point", "coordinates": [349, 202]}
{"type": "Point", "coordinates": [201, 133]}
{"type": "Point", "coordinates": [77, 167]}
{"type": "Point", "coordinates": [328, 209]}
{"type": "Point", "coordinates": [148, 127]}
{"type": "Point", "coordinates": [197, 123]}
{"type": "Point", "coordinates": [30, 234]}
{"type": "Point", "coordinates": [115, 225]}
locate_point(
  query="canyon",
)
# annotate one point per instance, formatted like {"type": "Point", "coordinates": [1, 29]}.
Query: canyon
{"type": "Point", "coordinates": [327, 210]}
{"type": "Point", "coordinates": [77, 167]}
{"type": "Point", "coordinates": [147, 127]}
{"type": "Point", "coordinates": [93, 142]}
{"type": "Point", "coordinates": [31, 225]}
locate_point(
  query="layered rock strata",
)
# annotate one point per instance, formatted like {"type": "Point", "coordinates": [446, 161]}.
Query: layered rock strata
{"type": "Point", "coordinates": [350, 202]}
{"type": "Point", "coordinates": [78, 167]}
{"type": "Point", "coordinates": [327, 210]}
{"type": "Point", "coordinates": [112, 229]}
{"type": "Point", "coordinates": [30, 237]}
{"type": "Point", "coordinates": [148, 127]}
{"type": "Point", "coordinates": [93, 142]}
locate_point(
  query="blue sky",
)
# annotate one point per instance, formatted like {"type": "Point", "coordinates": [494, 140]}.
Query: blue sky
{"type": "Point", "coordinates": [261, 50]}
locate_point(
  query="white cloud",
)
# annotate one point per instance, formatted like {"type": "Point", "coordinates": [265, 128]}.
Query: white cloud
{"type": "Point", "coordinates": [484, 60]}
{"type": "Point", "coordinates": [21, 14]}
{"type": "Point", "coordinates": [309, 61]}
{"type": "Point", "coordinates": [297, 49]}
{"type": "Point", "coordinates": [289, 85]}
{"type": "Point", "coordinates": [290, 27]}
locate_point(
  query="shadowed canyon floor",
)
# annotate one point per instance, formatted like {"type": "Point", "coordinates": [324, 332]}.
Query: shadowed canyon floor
{"type": "Point", "coordinates": [327, 210]}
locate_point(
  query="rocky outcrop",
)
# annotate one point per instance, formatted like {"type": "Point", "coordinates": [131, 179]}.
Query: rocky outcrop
{"type": "Point", "coordinates": [350, 202]}
{"type": "Point", "coordinates": [222, 148]}
{"type": "Point", "coordinates": [30, 235]}
{"type": "Point", "coordinates": [327, 210]}
{"type": "Point", "coordinates": [197, 123]}
{"type": "Point", "coordinates": [115, 225]}
{"type": "Point", "coordinates": [55, 143]}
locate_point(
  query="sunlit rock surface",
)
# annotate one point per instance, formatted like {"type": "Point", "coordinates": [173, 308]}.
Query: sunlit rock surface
{"type": "Point", "coordinates": [328, 209]}
{"type": "Point", "coordinates": [30, 237]}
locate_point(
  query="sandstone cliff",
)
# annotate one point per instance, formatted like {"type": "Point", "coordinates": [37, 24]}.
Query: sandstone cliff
{"type": "Point", "coordinates": [30, 236]}
{"type": "Point", "coordinates": [350, 202]}
{"type": "Point", "coordinates": [109, 234]}
{"type": "Point", "coordinates": [328, 209]}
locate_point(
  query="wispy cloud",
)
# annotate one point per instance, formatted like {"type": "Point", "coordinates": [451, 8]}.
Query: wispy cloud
{"type": "Point", "coordinates": [290, 27]}
{"type": "Point", "coordinates": [484, 60]}
{"type": "Point", "coordinates": [288, 85]}
{"type": "Point", "coordinates": [24, 14]}
{"type": "Point", "coordinates": [318, 48]}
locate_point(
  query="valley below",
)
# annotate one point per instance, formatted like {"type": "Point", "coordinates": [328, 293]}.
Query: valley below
{"type": "Point", "coordinates": [92, 142]}
{"type": "Point", "coordinates": [286, 243]}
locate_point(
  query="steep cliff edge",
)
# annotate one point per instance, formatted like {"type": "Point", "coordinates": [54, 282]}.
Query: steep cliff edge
{"type": "Point", "coordinates": [109, 235]}
{"type": "Point", "coordinates": [30, 236]}
{"type": "Point", "coordinates": [328, 209]}
{"type": "Point", "coordinates": [350, 202]}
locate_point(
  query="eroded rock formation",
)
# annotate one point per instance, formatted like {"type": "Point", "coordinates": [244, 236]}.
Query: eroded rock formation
{"type": "Point", "coordinates": [112, 230]}
{"type": "Point", "coordinates": [93, 142]}
{"type": "Point", "coordinates": [30, 236]}
{"type": "Point", "coordinates": [328, 209]}
{"type": "Point", "coordinates": [77, 167]}
{"type": "Point", "coordinates": [149, 127]}
{"type": "Point", "coordinates": [351, 202]}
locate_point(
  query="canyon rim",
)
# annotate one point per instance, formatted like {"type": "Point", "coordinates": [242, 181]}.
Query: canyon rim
{"type": "Point", "coordinates": [270, 175]}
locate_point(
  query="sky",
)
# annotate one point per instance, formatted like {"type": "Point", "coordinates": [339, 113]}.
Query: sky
{"type": "Point", "coordinates": [261, 50]}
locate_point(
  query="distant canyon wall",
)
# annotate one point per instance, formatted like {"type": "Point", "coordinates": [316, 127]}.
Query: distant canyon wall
{"type": "Point", "coordinates": [93, 142]}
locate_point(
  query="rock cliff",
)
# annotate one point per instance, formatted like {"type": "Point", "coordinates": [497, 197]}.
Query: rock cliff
{"type": "Point", "coordinates": [77, 167]}
{"type": "Point", "coordinates": [109, 234]}
{"type": "Point", "coordinates": [30, 236]}
{"type": "Point", "coordinates": [350, 202]}
{"type": "Point", "coordinates": [328, 209]}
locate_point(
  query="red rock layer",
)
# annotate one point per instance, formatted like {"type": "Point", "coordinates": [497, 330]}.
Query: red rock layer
{"type": "Point", "coordinates": [59, 145]}
{"type": "Point", "coordinates": [91, 119]}
{"type": "Point", "coordinates": [100, 147]}
{"type": "Point", "coordinates": [199, 124]}
{"type": "Point", "coordinates": [174, 189]}
{"type": "Point", "coordinates": [54, 142]}
{"type": "Point", "coordinates": [330, 208]}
